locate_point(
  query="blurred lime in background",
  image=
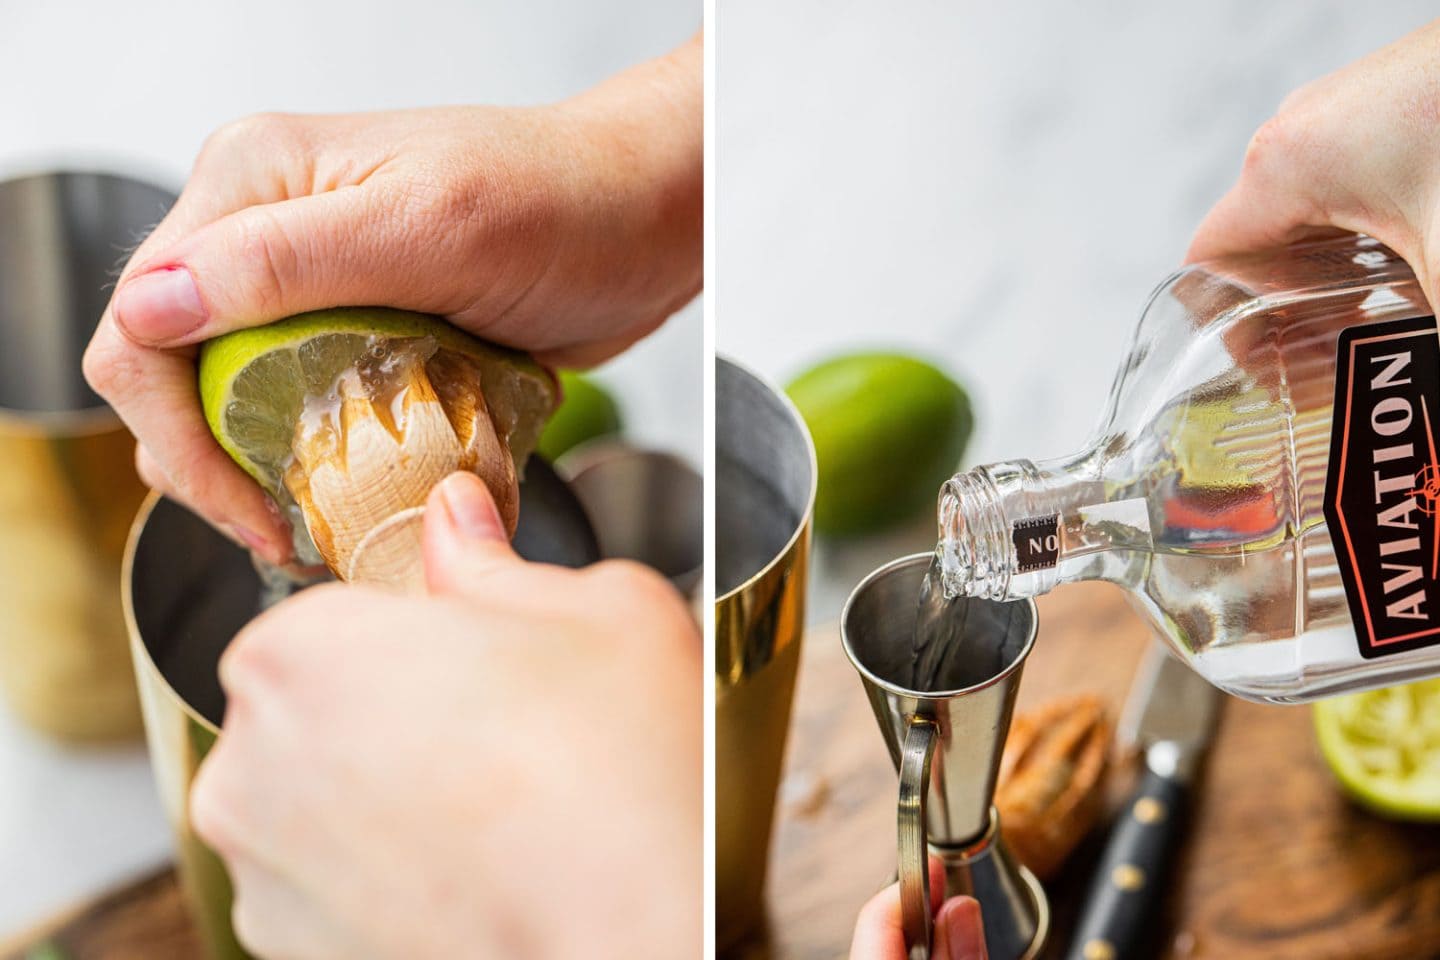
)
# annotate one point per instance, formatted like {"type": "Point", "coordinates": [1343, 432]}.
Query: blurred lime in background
{"type": "Point", "coordinates": [889, 429]}
{"type": "Point", "coordinates": [586, 412]}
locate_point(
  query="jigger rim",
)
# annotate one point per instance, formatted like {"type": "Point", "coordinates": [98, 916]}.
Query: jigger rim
{"type": "Point", "coordinates": [897, 689]}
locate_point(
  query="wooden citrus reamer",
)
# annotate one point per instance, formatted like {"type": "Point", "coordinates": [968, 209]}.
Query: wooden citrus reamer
{"type": "Point", "coordinates": [366, 458]}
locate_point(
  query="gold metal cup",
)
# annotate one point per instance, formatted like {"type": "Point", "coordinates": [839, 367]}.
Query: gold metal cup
{"type": "Point", "coordinates": [764, 498]}
{"type": "Point", "coordinates": [68, 488]}
{"type": "Point", "coordinates": [187, 592]}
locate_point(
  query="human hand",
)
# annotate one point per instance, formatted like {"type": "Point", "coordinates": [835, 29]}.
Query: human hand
{"type": "Point", "coordinates": [880, 934]}
{"type": "Point", "coordinates": [570, 230]}
{"type": "Point", "coordinates": [1353, 151]}
{"type": "Point", "coordinates": [507, 767]}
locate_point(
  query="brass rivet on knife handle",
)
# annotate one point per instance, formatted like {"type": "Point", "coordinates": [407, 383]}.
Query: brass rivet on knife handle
{"type": "Point", "coordinates": [1127, 877]}
{"type": "Point", "coordinates": [1148, 810]}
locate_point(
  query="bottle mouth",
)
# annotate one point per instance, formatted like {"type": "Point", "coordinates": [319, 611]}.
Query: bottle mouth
{"type": "Point", "coordinates": [972, 547]}
{"type": "Point", "coordinates": [953, 548]}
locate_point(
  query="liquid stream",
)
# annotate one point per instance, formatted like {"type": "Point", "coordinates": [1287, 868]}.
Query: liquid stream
{"type": "Point", "coordinates": [945, 653]}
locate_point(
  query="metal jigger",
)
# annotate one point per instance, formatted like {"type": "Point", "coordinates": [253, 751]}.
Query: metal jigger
{"type": "Point", "coordinates": [946, 743]}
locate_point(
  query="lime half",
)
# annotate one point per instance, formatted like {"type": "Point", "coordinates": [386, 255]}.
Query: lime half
{"type": "Point", "coordinates": [1384, 747]}
{"type": "Point", "coordinates": [254, 383]}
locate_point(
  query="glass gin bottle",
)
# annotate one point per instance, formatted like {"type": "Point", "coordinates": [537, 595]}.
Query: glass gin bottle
{"type": "Point", "coordinates": [1264, 482]}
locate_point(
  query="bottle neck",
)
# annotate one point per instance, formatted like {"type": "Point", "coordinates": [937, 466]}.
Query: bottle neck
{"type": "Point", "coordinates": [1016, 529]}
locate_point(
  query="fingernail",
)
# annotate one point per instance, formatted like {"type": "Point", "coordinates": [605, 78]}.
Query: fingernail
{"type": "Point", "coordinates": [472, 510]}
{"type": "Point", "coordinates": [159, 306]}
{"type": "Point", "coordinates": [964, 931]}
{"type": "Point", "coordinates": [282, 523]}
{"type": "Point", "coordinates": [251, 539]}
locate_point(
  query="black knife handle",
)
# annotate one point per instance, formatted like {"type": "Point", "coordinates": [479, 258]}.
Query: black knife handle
{"type": "Point", "coordinates": [1121, 919]}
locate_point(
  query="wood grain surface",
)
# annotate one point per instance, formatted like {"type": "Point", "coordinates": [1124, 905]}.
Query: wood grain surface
{"type": "Point", "coordinates": [1278, 864]}
{"type": "Point", "coordinates": [144, 920]}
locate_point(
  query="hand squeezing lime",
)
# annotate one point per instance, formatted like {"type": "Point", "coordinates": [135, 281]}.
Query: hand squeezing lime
{"type": "Point", "coordinates": [352, 415]}
{"type": "Point", "coordinates": [1384, 747]}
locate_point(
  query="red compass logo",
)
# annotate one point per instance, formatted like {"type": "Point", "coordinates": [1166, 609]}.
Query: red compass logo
{"type": "Point", "coordinates": [1427, 489]}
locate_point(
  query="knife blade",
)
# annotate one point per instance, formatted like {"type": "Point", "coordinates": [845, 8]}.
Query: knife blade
{"type": "Point", "coordinates": [1170, 715]}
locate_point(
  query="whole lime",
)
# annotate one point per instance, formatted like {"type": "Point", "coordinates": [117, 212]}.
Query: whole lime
{"type": "Point", "coordinates": [586, 412]}
{"type": "Point", "coordinates": [889, 429]}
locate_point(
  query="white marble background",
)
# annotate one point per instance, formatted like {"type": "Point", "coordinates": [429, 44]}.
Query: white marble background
{"type": "Point", "coordinates": [998, 186]}
{"type": "Point", "coordinates": [135, 87]}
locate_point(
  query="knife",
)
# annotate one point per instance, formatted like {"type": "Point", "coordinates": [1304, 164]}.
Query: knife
{"type": "Point", "coordinates": [1170, 715]}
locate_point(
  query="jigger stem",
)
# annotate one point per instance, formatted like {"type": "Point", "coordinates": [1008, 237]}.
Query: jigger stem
{"type": "Point", "coordinates": [1013, 905]}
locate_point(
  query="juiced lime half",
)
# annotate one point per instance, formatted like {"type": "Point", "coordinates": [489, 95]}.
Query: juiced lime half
{"type": "Point", "coordinates": [254, 383]}
{"type": "Point", "coordinates": [1384, 747]}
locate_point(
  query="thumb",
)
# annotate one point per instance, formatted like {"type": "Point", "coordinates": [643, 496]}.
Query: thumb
{"type": "Point", "coordinates": [464, 538]}
{"type": "Point", "coordinates": [959, 934]}
{"type": "Point", "coordinates": [266, 262]}
{"type": "Point", "coordinates": [1247, 219]}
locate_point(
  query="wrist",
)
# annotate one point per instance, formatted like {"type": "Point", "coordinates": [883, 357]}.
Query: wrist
{"type": "Point", "coordinates": [640, 138]}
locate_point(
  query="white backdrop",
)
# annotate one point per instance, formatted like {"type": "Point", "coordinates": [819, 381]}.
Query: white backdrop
{"type": "Point", "coordinates": [135, 87]}
{"type": "Point", "coordinates": [998, 186]}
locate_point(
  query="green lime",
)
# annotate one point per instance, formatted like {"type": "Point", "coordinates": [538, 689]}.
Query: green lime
{"type": "Point", "coordinates": [1384, 747]}
{"type": "Point", "coordinates": [889, 429]}
{"type": "Point", "coordinates": [49, 950]}
{"type": "Point", "coordinates": [253, 383]}
{"type": "Point", "coordinates": [586, 412]}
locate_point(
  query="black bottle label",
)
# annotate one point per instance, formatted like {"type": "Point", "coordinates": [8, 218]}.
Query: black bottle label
{"type": "Point", "coordinates": [1383, 486]}
{"type": "Point", "coordinates": [1037, 542]}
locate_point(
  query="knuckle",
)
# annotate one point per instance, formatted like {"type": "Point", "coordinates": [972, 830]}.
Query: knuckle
{"type": "Point", "coordinates": [637, 586]}
{"type": "Point", "coordinates": [95, 366]}
{"type": "Point", "coordinates": [254, 661]}
{"type": "Point", "coordinates": [209, 806]}
{"type": "Point", "coordinates": [430, 199]}
{"type": "Point", "coordinates": [1293, 102]}
{"type": "Point", "coordinates": [444, 202]}
{"type": "Point", "coordinates": [272, 653]}
{"type": "Point", "coordinates": [147, 469]}
{"type": "Point", "coordinates": [273, 255]}
{"type": "Point", "coordinates": [246, 134]}
{"type": "Point", "coordinates": [189, 488]}
{"type": "Point", "coordinates": [251, 927]}
{"type": "Point", "coordinates": [1273, 144]}
{"type": "Point", "coordinates": [108, 365]}
{"type": "Point", "coordinates": [627, 577]}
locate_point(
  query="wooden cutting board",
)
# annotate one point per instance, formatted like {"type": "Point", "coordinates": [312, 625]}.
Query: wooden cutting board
{"type": "Point", "coordinates": [1278, 864]}
{"type": "Point", "coordinates": [144, 920]}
